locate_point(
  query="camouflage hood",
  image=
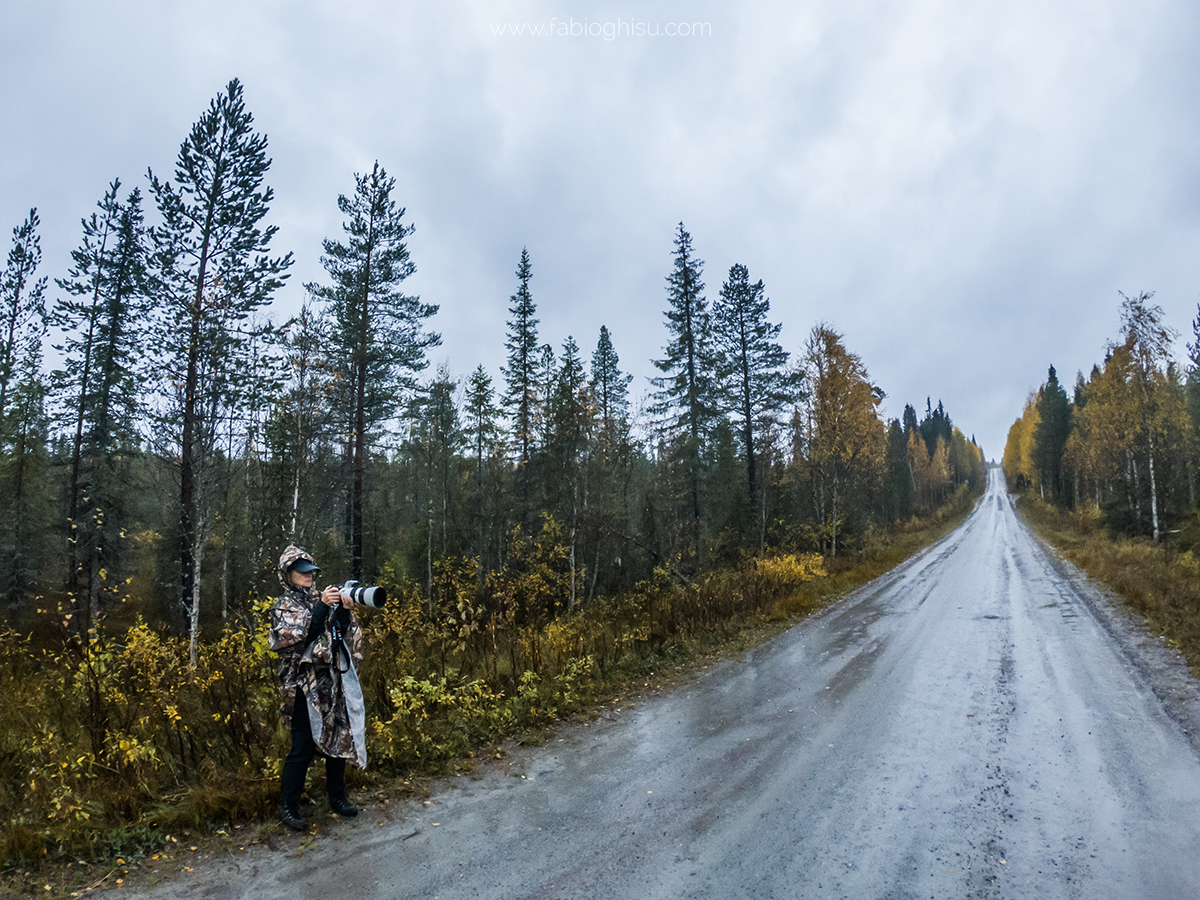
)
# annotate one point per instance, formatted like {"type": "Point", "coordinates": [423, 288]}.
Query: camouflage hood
{"type": "Point", "coordinates": [287, 560]}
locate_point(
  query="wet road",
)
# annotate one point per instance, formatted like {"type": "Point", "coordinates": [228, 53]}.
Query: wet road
{"type": "Point", "coordinates": [966, 726]}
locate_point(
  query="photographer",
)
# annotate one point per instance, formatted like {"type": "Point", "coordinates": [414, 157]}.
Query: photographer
{"type": "Point", "coordinates": [319, 643]}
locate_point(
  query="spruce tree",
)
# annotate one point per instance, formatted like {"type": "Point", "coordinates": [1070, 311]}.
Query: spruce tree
{"type": "Point", "coordinates": [610, 388]}
{"type": "Point", "coordinates": [481, 414]}
{"type": "Point", "coordinates": [521, 373]}
{"type": "Point", "coordinates": [571, 418]}
{"type": "Point", "coordinates": [756, 385]}
{"type": "Point", "coordinates": [1050, 437]}
{"type": "Point", "coordinates": [97, 388]}
{"type": "Point", "coordinates": [22, 308]}
{"type": "Point", "coordinates": [899, 486]}
{"type": "Point", "coordinates": [482, 432]}
{"type": "Point", "coordinates": [378, 337]}
{"type": "Point", "coordinates": [23, 426]}
{"type": "Point", "coordinates": [209, 273]}
{"type": "Point", "coordinates": [685, 398]}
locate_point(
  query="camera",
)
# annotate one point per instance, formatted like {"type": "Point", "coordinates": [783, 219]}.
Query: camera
{"type": "Point", "coordinates": [373, 596]}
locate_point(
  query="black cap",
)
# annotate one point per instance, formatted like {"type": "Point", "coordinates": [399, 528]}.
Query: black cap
{"type": "Point", "coordinates": [304, 565]}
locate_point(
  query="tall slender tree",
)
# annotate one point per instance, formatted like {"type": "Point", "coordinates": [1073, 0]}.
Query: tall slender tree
{"type": "Point", "coordinates": [482, 434]}
{"type": "Point", "coordinates": [210, 271]}
{"type": "Point", "coordinates": [610, 387]}
{"type": "Point", "coordinates": [521, 373]}
{"type": "Point", "coordinates": [22, 305]}
{"type": "Point", "coordinates": [97, 387]}
{"type": "Point", "coordinates": [304, 415]}
{"type": "Point", "coordinates": [756, 383]}
{"type": "Point", "coordinates": [23, 427]}
{"type": "Point", "coordinates": [615, 457]}
{"type": "Point", "coordinates": [1050, 437]}
{"type": "Point", "coordinates": [378, 334]}
{"type": "Point", "coordinates": [571, 409]}
{"type": "Point", "coordinates": [685, 399]}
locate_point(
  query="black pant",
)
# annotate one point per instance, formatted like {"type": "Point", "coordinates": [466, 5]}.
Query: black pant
{"type": "Point", "coordinates": [295, 767]}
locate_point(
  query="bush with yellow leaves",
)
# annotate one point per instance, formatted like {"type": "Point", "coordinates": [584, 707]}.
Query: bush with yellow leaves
{"type": "Point", "coordinates": [109, 729]}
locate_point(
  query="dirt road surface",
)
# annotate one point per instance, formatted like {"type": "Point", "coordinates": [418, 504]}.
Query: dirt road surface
{"type": "Point", "coordinates": [978, 723]}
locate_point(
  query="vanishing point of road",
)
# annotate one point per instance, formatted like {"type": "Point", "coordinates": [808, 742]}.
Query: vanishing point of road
{"type": "Point", "coordinates": [977, 723]}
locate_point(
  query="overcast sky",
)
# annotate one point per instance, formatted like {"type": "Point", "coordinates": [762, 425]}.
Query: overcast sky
{"type": "Point", "coordinates": [960, 188]}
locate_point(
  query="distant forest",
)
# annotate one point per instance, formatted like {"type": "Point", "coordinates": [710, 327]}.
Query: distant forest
{"type": "Point", "coordinates": [1122, 448]}
{"type": "Point", "coordinates": [189, 436]}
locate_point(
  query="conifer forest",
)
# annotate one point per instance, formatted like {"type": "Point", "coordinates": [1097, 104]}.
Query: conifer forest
{"type": "Point", "coordinates": [165, 432]}
{"type": "Point", "coordinates": [1119, 447]}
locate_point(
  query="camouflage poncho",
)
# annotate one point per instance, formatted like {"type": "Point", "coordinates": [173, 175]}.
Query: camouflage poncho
{"type": "Point", "coordinates": [332, 691]}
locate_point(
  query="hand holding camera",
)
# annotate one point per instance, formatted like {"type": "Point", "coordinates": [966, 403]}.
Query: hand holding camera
{"type": "Point", "coordinates": [368, 595]}
{"type": "Point", "coordinates": [331, 596]}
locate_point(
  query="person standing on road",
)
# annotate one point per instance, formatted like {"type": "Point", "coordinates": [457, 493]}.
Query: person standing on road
{"type": "Point", "coordinates": [319, 643]}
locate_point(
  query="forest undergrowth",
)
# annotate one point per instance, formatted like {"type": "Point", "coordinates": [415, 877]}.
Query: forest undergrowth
{"type": "Point", "coordinates": [1158, 581]}
{"type": "Point", "coordinates": [114, 750]}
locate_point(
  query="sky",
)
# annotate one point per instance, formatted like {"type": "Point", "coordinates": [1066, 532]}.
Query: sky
{"type": "Point", "coordinates": [961, 189]}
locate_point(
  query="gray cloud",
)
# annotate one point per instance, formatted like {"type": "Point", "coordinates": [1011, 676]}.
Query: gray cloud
{"type": "Point", "coordinates": [961, 189]}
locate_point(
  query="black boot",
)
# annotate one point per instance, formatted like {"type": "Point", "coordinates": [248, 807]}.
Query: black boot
{"type": "Point", "coordinates": [335, 787]}
{"type": "Point", "coordinates": [291, 818]}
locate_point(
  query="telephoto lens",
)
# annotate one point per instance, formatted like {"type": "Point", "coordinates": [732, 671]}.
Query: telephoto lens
{"type": "Point", "coordinates": [373, 596]}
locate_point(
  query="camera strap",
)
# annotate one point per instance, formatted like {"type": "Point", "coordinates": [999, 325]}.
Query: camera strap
{"type": "Point", "coordinates": [338, 643]}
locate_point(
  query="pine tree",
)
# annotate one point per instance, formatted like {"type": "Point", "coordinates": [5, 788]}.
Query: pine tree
{"type": "Point", "coordinates": [377, 334]}
{"type": "Point", "coordinates": [756, 385]}
{"type": "Point", "coordinates": [98, 388]}
{"type": "Point", "coordinates": [210, 272]}
{"type": "Point", "coordinates": [521, 373]}
{"type": "Point", "coordinates": [685, 399]}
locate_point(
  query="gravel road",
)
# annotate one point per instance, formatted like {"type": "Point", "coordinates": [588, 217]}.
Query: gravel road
{"type": "Point", "coordinates": [980, 722]}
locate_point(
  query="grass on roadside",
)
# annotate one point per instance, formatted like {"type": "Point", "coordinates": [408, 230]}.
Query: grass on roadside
{"type": "Point", "coordinates": [1157, 581]}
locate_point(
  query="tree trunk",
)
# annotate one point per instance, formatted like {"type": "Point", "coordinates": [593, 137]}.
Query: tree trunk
{"type": "Point", "coordinates": [194, 625]}
{"type": "Point", "coordinates": [1153, 494]}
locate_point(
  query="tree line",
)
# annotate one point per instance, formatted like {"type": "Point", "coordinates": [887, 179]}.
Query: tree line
{"type": "Point", "coordinates": [1124, 445]}
{"type": "Point", "coordinates": [187, 436]}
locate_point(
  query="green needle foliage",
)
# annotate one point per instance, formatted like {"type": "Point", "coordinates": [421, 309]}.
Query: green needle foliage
{"type": "Point", "coordinates": [378, 339]}
{"type": "Point", "coordinates": [210, 272]}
